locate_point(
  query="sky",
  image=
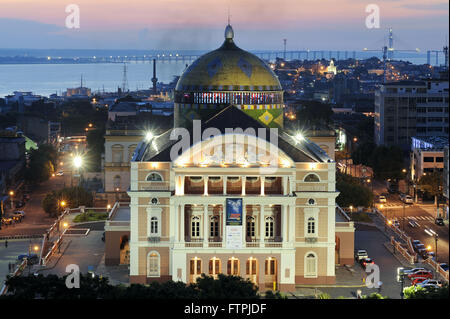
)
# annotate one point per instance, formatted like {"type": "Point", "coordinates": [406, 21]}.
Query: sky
{"type": "Point", "coordinates": [199, 24]}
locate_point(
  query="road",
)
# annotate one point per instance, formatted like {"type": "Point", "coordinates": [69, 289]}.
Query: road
{"type": "Point", "coordinates": [424, 215]}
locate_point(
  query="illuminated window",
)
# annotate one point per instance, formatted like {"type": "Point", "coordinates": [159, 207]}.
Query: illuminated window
{"type": "Point", "coordinates": [269, 227]}
{"type": "Point", "coordinates": [311, 178]}
{"type": "Point", "coordinates": [153, 264]}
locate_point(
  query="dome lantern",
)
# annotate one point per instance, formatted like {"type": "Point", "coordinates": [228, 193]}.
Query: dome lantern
{"type": "Point", "coordinates": [229, 33]}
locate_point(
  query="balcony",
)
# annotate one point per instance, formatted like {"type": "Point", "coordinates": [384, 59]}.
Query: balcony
{"type": "Point", "coordinates": [154, 239]}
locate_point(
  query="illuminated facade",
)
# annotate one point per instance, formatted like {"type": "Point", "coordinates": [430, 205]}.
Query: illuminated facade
{"type": "Point", "coordinates": [240, 201]}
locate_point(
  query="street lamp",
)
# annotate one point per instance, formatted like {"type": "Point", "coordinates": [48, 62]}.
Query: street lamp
{"type": "Point", "coordinates": [11, 194]}
{"type": "Point", "coordinates": [77, 163]}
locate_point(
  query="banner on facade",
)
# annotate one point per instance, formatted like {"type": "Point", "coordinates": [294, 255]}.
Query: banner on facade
{"type": "Point", "coordinates": [234, 237]}
{"type": "Point", "coordinates": [234, 211]}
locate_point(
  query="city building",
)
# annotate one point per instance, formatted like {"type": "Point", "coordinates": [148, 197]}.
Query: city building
{"type": "Point", "coordinates": [445, 184]}
{"type": "Point", "coordinates": [128, 123]}
{"type": "Point", "coordinates": [228, 190]}
{"type": "Point", "coordinates": [427, 156]}
{"type": "Point", "coordinates": [407, 109]}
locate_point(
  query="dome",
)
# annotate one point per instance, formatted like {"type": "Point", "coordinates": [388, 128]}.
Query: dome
{"type": "Point", "coordinates": [228, 68]}
{"type": "Point", "coordinates": [228, 76]}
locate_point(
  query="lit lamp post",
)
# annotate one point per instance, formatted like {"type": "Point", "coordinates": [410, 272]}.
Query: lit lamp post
{"type": "Point", "coordinates": [77, 163]}
{"type": "Point", "coordinates": [11, 195]}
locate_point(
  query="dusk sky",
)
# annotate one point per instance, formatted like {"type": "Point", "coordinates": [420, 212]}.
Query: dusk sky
{"type": "Point", "coordinates": [199, 24]}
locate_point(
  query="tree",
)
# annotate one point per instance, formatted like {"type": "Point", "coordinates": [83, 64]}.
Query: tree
{"type": "Point", "coordinates": [432, 183]}
{"type": "Point", "coordinates": [73, 196]}
{"type": "Point", "coordinates": [417, 292]}
{"type": "Point", "coordinates": [351, 192]}
{"type": "Point", "coordinates": [225, 287]}
{"type": "Point", "coordinates": [314, 113]}
{"type": "Point", "coordinates": [42, 163]}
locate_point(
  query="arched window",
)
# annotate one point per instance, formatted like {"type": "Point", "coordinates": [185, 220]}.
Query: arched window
{"type": "Point", "coordinates": [154, 177]}
{"type": "Point", "coordinates": [153, 264]}
{"type": "Point", "coordinates": [195, 227]}
{"type": "Point", "coordinates": [310, 265]}
{"type": "Point", "coordinates": [214, 226]}
{"type": "Point", "coordinates": [153, 226]}
{"type": "Point", "coordinates": [269, 227]}
{"type": "Point", "coordinates": [251, 227]}
{"type": "Point", "coordinates": [311, 226]}
{"type": "Point", "coordinates": [311, 178]}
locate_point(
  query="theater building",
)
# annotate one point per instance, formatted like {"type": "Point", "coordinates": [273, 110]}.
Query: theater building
{"type": "Point", "coordinates": [227, 190]}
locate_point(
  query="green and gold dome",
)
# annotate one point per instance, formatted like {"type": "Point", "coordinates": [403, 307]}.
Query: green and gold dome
{"type": "Point", "coordinates": [229, 75]}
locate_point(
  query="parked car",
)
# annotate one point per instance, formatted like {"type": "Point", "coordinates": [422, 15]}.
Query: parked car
{"type": "Point", "coordinates": [382, 199]}
{"type": "Point", "coordinates": [430, 282]}
{"type": "Point", "coordinates": [423, 252]}
{"type": "Point", "coordinates": [415, 242]}
{"type": "Point", "coordinates": [17, 217]}
{"type": "Point", "coordinates": [430, 286]}
{"type": "Point", "coordinates": [401, 196]}
{"type": "Point", "coordinates": [418, 280]}
{"type": "Point", "coordinates": [439, 221]}
{"type": "Point", "coordinates": [60, 173]}
{"type": "Point", "coordinates": [361, 254]}
{"type": "Point", "coordinates": [429, 254]}
{"type": "Point", "coordinates": [365, 261]}
{"type": "Point", "coordinates": [418, 247]}
{"type": "Point", "coordinates": [407, 199]}
{"type": "Point", "coordinates": [413, 270]}
{"type": "Point", "coordinates": [444, 266]}
{"type": "Point", "coordinates": [396, 223]}
{"type": "Point", "coordinates": [20, 212]}
{"type": "Point", "coordinates": [7, 221]}
{"type": "Point", "coordinates": [421, 273]}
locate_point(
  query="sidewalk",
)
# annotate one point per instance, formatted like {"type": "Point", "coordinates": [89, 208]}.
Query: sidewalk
{"type": "Point", "coordinates": [116, 274]}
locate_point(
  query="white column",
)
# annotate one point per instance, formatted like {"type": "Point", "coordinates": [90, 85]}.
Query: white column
{"type": "Point", "coordinates": [292, 223]}
{"type": "Point", "coordinates": [172, 222]}
{"type": "Point", "coordinates": [284, 225]}
{"type": "Point", "coordinates": [224, 179]}
{"type": "Point", "coordinates": [182, 185]}
{"type": "Point", "coordinates": [244, 180]}
{"type": "Point", "coordinates": [285, 180]}
{"type": "Point", "coordinates": [224, 221]}
{"type": "Point", "coordinates": [261, 225]}
{"type": "Point", "coordinates": [263, 180]}
{"type": "Point", "coordinates": [205, 181]}
{"type": "Point", "coordinates": [205, 225]}
{"type": "Point", "coordinates": [182, 223]}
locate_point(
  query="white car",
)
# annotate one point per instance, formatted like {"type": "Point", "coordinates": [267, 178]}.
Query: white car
{"type": "Point", "coordinates": [361, 254]}
{"type": "Point", "coordinates": [407, 199]}
{"type": "Point", "coordinates": [410, 271]}
{"type": "Point", "coordinates": [60, 173]}
{"type": "Point", "coordinates": [430, 282]}
{"type": "Point", "coordinates": [382, 199]}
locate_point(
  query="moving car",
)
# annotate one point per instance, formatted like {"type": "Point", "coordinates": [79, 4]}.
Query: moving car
{"type": "Point", "coordinates": [20, 212]}
{"type": "Point", "coordinates": [439, 221]}
{"type": "Point", "coordinates": [407, 199]}
{"type": "Point", "coordinates": [382, 199]}
{"type": "Point", "coordinates": [364, 262]}
{"type": "Point", "coordinates": [361, 254]}
{"type": "Point", "coordinates": [421, 273]}
{"type": "Point", "coordinates": [60, 173]}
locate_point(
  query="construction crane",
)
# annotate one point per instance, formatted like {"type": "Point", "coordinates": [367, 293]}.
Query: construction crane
{"type": "Point", "coordinates": [388, 52]}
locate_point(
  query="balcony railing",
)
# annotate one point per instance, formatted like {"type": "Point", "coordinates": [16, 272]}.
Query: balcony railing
{"type": "Point", "coordinates": [153, 186]}
{"type": "Point", "coordinates": [154, 239]}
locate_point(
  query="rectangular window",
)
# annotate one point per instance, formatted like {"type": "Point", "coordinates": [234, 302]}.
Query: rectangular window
{"type": "Point", "coordinates": [428, 159]}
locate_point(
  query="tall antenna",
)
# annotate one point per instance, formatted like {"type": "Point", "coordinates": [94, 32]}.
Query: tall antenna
{"type": "Point", "coordinates": [154, 78]}
{"type": "Point", "coordinates": [124, 79]}
{"type": "Point", "coordinates": [81, 84]}
{"type": "Point", "coordinates": [284, 41]}
{"type": "Point", "coordinates": [391, 45]}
